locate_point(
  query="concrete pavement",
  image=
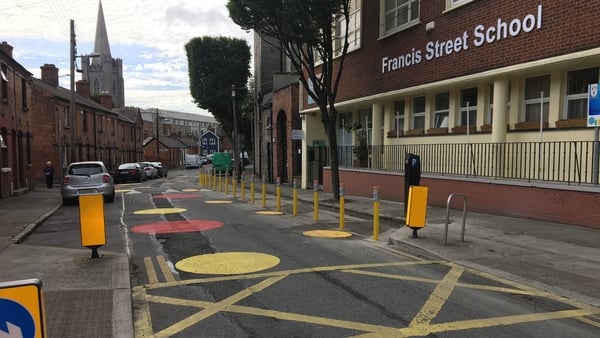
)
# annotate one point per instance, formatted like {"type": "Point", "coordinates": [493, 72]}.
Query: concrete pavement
{"type": "Point", "coordinates": [91, 298]}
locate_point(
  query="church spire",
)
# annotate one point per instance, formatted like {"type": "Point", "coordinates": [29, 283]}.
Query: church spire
{"type": "Point", "coordinates": [101, 45]}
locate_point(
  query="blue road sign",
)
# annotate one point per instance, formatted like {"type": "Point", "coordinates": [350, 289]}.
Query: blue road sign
{"type": "Point", "coordinates": [593, 106]}
{"type": "Point", "coordinates": [15, 320]}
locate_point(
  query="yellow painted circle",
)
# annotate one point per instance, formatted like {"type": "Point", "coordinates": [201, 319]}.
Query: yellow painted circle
{"type": "Point", "coordinates": [159, 211]}
{"type": "Point", "coordinates": [227, 263]}
{"type": "Point", "coordinates": [218, 202]}
{"type": "Point", "coordinates": [269, 212]}
{"type": "Point", "coordinates": [189, 190]}
{"type": "Point", "coordinates": [327, 233]}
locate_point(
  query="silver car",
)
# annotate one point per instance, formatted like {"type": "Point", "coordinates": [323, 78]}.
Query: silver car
{"type": "Point", "coordinates": [90, 177]}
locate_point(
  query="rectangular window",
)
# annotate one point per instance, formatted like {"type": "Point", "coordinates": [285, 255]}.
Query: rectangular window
{"type": "Point", "coordinates": [211, 141]}
{"type": "Point", "coordinates": [398, 116]}
{"type": "Point", "coordinates": [4, 75]}
{"type": "Point", "coordinates": [364, 119]}
{"type": "Point", "coordinates": [354, 20]}
{"type": "Point", "coordinates": [66, 117]}
{"type": "Point", "coordinates": [397, 15]}
{"type": "Point", "coordinates": [24, 94]}
{"type": "Point", "coordinates": [85, 120]}
{"type": "Point", "coordinates": [535, 87]}
{"type": "Point", "coordinates": [468, 107]}
{"type": "Point", "coordinates": [203, 141]}
{"type": "Point", "coordinates": [456, 3]}
{"type": "Point", "coordinates": [419, 112]}
{"type": "Point", "coordinates": [577, 92]}
{"type": "Point", "coordinates": [442, 108]}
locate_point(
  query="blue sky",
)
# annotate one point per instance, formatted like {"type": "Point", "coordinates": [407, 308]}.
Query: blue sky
{"type": "Point", "coordinates": [149, 36]}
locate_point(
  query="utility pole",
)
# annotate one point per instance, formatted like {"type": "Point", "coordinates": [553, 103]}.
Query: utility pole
{"type": "Point", "coordinates": [157, 137]}
{"type": "Point", "coordinates": [72, 117]}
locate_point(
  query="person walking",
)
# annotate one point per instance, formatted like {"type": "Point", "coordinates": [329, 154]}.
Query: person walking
{"type": "Point", "coordinates": [49, 172]}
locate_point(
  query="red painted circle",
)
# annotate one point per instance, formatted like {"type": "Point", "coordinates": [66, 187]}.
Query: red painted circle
{"type": "Point", "coordinates": [176, 226]}
{"type": "Point", "coordinates": [176, 196]}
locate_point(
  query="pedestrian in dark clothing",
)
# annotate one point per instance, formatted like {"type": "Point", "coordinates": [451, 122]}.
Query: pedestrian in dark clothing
{"type": "Point", "coordinates": [49, 172]}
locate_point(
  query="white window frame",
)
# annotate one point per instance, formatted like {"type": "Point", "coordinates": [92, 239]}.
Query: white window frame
{"type": "Point", "coordinates": [471, 111]}
{"type": "Point", "coordinates": [398, 118]}
{"type": "Point", "coordinates": [579, 96]}
{"type": "Point", "coordinates": [420, 115]}
{"type": "Point", "coordinates": [534, 102]}
{"type": "Point", "coordinates": [452, 4]}
{"type": "Point", "coordinates": [441, 113]}
{"type": "Point", "coordinates": [400, 5]}
{"type": "Point", "coordinates": [354, 26]}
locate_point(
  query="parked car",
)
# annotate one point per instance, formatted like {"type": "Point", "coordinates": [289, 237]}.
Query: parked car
{"type": "Point", "coordinates": [89, 177]}
{"type": "Point", "coordinates": [203, 160]}
{"type": "Point", "coordinates": [161, 170]}
{"type": "Point", "coordinates": [129, 172]}
{"type": "Point", "coordinates": [209, 158]}
{"type": "Point", "coordinates": [149, 170]}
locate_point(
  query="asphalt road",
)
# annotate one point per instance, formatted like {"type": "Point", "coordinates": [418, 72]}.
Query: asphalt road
{"type": "Point", "coordinates": [206, 264]}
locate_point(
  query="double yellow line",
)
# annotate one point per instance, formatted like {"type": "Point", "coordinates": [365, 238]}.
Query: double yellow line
{"type": "Point", "coordinates": [163, 266]}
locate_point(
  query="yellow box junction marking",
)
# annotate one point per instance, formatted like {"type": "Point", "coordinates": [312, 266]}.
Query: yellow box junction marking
{"type": "Point", "coordinates": [420, 325]}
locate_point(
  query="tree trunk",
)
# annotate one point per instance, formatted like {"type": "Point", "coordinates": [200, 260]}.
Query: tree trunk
{"type": "Point", "coordinates": [334, 161]}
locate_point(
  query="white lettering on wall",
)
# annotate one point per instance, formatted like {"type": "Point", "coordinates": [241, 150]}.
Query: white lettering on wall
{"type": "Point", "coordinates": [481, 35]}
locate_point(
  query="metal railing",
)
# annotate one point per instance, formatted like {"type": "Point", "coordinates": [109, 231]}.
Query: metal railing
{"type": "Point", "coordinates": [561, 162]}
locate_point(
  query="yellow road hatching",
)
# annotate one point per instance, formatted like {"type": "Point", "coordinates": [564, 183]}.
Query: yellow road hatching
{"type": "Point", "coordinates": [420, 325]}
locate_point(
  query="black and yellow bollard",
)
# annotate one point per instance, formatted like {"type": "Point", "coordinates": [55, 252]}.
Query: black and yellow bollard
{"type": "Point", "coordinates": [278, 195]}
{"type": "Point", "coordinates": [234, 184]}
{"type": "Point", "coordinates": [316, 200]}
{"type": "Point", "coordinates": [416, 208]}
{"type": "Point", "coordinates": [243, 188]}
{"type": "Point", "coordinates": [376, 213]}
{"type": "Point", "coordinates": [252, 188]}
{"type": "Point", "coordinates": [342, 206]}
{"type": "Point", "coordinates": [295, 197]}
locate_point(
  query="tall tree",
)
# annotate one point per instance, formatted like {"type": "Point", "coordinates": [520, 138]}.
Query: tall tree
{"type": "Point", "coordinates": [305, 31]}
{"type": "Point", "coordinates": [215, 65]}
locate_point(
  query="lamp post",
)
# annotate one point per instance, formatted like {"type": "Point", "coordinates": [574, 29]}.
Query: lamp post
{"type": "Point", "coordinates": [236, 155]}
{"type": "Point", "coordinates": [72, 104]}
{"type": "Point", "coordinates": [157, 137]}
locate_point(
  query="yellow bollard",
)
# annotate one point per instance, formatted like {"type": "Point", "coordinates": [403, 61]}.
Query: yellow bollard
{"type": "Point", "coordinates": [316, 199]}
{"type": "Point", "coordinates": [264, 193]}
{"type": "Point", "coordinates": [375, 212]}
{"type": "Point", "coordinates": [226, 183]}
{"type": "Point", "coordinates": [243, 189]}
{"type": "Point", "coordinates": [278, 194]}
{"type": "Point", "coordinates": [342, 206]}
{"type": "Point", "coordinates": [295, 197]}
{"type": "Point", "coordinates": [252, 188]}
{"type": "Point", "coordinates": [200, 178]}
{"type": "Point", "coordinates": [234, 184]}
{"type": "Point", "coordinates": [220, 184]}
{"type": "Point", "coordinates": [214, 178]}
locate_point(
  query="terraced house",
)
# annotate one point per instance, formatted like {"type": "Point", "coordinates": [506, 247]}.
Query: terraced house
{"type": "Point", "coordinates": [491, 95]}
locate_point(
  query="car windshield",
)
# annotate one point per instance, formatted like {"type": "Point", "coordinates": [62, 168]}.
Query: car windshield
{"type": "Point", "coordinates": [85, 170]}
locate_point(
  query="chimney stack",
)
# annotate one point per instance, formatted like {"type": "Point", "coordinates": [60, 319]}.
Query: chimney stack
{"type": "Point", "coordinates": [83, 88]}
{"type": "Point", "coordinates": [50, 74]}
{"type": "Point", "coordinates": [6, 49]}
{"type": "Point", "coordinates": [106, 100]}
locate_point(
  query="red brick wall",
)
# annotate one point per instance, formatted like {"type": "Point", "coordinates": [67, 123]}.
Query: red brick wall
{"type": "Point", "coordinates": [565, 29]}
{"type": "Point", "coordinates": [286, 101]}
{"type": "Point", "coordinates": [553, 205]}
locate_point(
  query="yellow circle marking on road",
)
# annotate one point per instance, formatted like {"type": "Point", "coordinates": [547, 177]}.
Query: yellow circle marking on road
{"type": "Point", "coordinates": [327, 233]}
{"type": "Point", "coordinates": [159, 211]}
{"type": "Point", "coordinates": [189, 190]}
{"type": "Point", "coordinates": [218, 202]}
{"type": "Point", "coordinates": [124, 190]}
{"type": "Point", "coordinates": [227, 263]}
{"type": "Point", "coordinates": [266, 212]}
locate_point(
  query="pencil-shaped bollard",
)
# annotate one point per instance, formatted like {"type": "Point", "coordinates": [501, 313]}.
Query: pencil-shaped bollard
{"type": "Point", "coordinates": [234, 183]}
{"type": "Point", "coordinates": [220, 184]}
{"type": "Point", "coordinates": [375, 212]}
{"type": "Point", "coordinates": [214, 179]}
{"type": "Point", "coordinates": [295, 197]}
{"type": "Point", "coordinates": [342, 206]}
{"type": "Point", "coordinates": [227, 182]}
{"type": "Point", "coordinates": [316, 199]}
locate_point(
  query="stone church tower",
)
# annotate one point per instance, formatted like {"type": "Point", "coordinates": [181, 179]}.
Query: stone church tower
{"type": "Point", "coordinates": [103, 73]}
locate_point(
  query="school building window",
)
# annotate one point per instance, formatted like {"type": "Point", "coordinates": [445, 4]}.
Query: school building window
{"type": "Point", "coordinates": [468, 107]}
{"type": "Point", "coordinates": [442, 106]}
{"type": "Point", "coordinates": [353, 28]}
{"type": "Point", "coordinates": [577, 91]}
{"type": "Point", "coordinates": [456, 3]}
{"type": "Point", "coordinates": [419, 112]}
{"type": "Point", "coordinates": [537, 90]}
{"type": "Point", "coordinates": [398, 115]}
{"type": "Point", "coordinates": [398, 14]}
